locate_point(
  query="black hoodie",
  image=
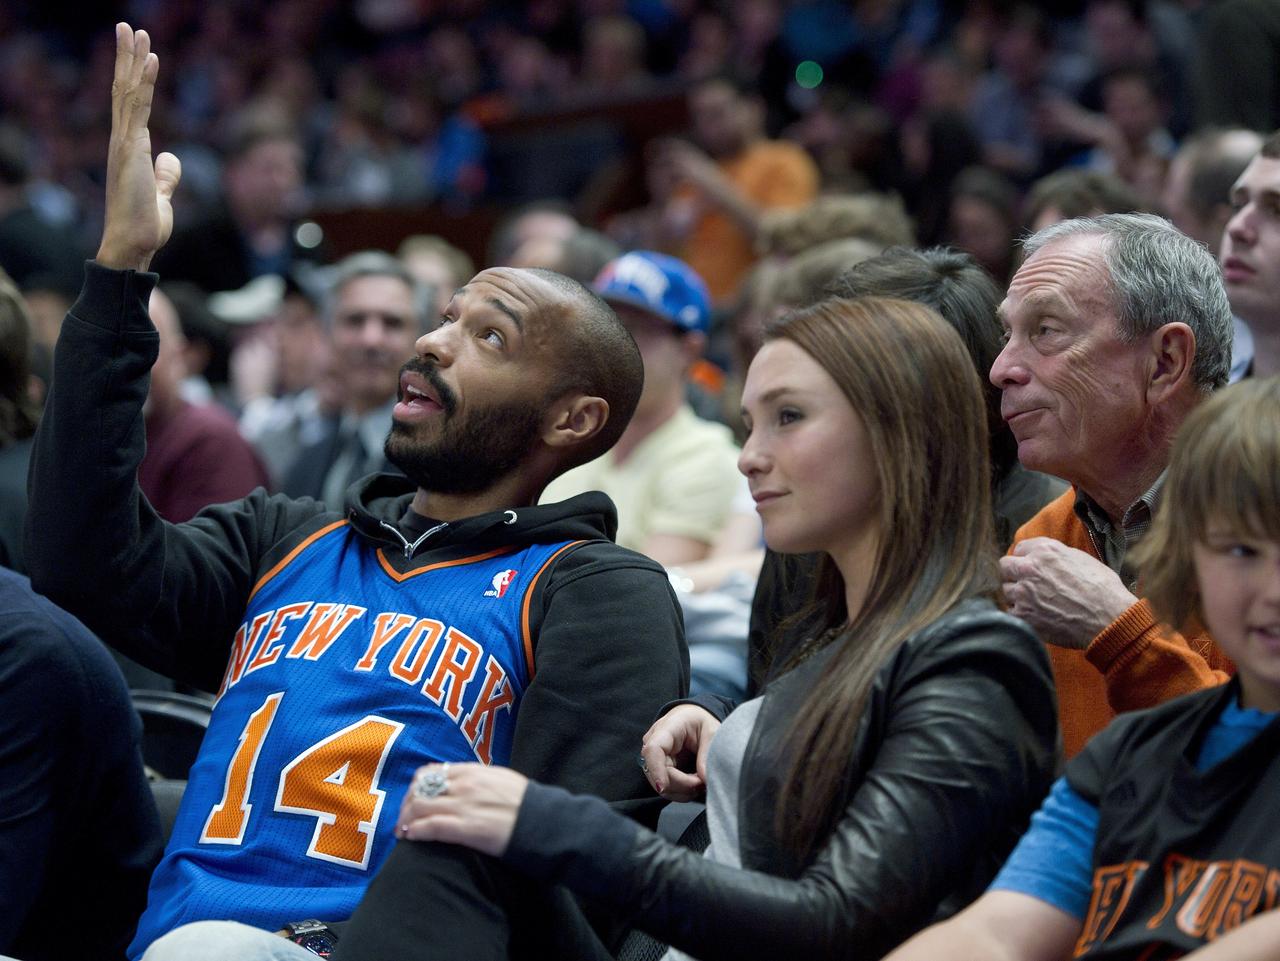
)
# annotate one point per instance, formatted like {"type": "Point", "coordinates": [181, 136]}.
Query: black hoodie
{"type": "Point", "coordinates": [608, 640]}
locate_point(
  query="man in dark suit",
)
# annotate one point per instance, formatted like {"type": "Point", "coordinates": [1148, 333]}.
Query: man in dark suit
{"type": "Point", "coordinates": [375, 312]}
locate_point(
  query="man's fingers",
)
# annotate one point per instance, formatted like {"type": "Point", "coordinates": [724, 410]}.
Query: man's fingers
{"type": "Point", "coordinates": [168, 173]}
{"type": "Point", "coordinates": [139, 96]}
{"type": "Point", "coordinates": [1010, 568]}
{"type": "Point", "coordinates": [120, 78]}
{"type": "Point", "coordinates": [141, 47]}
{"type": "Point", "coordinates": [1010, 591]}
{"type": "Point", "coordinates": [124, 56]}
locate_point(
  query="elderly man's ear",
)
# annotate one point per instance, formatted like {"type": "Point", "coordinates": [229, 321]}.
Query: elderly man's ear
{"type": "Point", "coordinates": [1173, 353]}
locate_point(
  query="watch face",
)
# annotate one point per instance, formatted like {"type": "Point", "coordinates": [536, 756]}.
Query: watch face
{"type": "Point", "coordinates": [318, 944]}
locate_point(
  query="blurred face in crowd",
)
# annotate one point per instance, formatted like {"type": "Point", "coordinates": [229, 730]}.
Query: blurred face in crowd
{"type": "Point", "coordinates": [541, 225]}
{"type": "Point", "coordinates": [1073, 391]}
{"type": "Point", "coordinates": [1250, 254]}
{"type": "Point", "coordinates": [718, 115]}
{"type": "Point", "coordinates": [1176, 199]}
{"type": "Point", "coordinates": [374, 326]}
{"type": "Point", "coordinates": [472, 400]}
{"type": "Point", "coordinates": [433, 272]}
{"type": "Point", "coordinates": [807, 458]}
{"type": "Point", "coordinates": [301, 345]}
{"type": "Point", "coordinates": [1131, 104]}
{"type": "Point", "coordinates": [169, 370]}
{"type": "Point", "coordinates": [263, 183]}
{"type": "Point", "coordinates": [980, 229]}
{"type": "Point", "coordinates": [667, 356]}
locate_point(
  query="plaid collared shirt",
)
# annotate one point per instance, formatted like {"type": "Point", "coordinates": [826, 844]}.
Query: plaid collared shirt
{"type": "Point", "coordinates": [1112, 541]}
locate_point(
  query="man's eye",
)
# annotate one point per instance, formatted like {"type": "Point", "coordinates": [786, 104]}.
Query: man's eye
{"type": "Point", "coordinates": [494, 337]}
{"type": "Point", "coordinates": [445, 320]}
{"type": "Point", "coordinates": [788, 415]}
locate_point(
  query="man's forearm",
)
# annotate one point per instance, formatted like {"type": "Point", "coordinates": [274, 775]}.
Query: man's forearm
{"type": "Point", "coordinates": [722, 193]}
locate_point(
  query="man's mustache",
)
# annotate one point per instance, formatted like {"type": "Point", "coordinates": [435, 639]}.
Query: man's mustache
{"type": "Point", "coordinates": [432, 376]}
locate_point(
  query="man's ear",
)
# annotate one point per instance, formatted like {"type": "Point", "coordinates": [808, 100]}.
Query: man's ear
{"type": "Point", "coordinates": [574, 420]}
{"type": "Point", "coordinates": [1173, 354]}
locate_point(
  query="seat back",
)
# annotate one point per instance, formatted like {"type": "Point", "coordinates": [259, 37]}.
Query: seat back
{"type": "Point", "coordinates": [173, 727]}
{"type": "Point", "coordinates": [168, 796]}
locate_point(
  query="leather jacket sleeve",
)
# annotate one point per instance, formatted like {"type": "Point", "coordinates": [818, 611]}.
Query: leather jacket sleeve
{"type": "Point", "coordinates": [966, 752]}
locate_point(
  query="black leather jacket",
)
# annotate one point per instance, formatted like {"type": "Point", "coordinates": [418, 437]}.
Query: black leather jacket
{"type": "Point", "coordinates": [957, 747]}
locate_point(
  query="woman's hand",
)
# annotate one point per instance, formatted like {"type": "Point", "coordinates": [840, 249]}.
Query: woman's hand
{"type": "Point", "coordinates": [681, 735]}
{"type": "Point", "coordinates": [473, 805]}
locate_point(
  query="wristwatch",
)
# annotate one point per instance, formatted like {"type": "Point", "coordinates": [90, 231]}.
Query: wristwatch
{"type": "Point", "coordinates": [316, 936]}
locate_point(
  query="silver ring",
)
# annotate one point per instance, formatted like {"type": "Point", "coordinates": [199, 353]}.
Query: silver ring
{"type": "Point", "coordinates": [644, 765]}
{"type": "Point", "coordinates": [433, 782]}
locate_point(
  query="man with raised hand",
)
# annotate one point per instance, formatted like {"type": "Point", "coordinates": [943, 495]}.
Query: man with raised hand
{"type": "Point", "coordinates": [439, 617]}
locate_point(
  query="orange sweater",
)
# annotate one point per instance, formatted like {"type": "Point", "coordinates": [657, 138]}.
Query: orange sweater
{"type": "Point", "coordinates": [1134, 662]}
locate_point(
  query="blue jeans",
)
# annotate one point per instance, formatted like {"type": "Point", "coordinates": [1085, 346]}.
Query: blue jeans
{"type": "Point", "coordinates": [224, 941]}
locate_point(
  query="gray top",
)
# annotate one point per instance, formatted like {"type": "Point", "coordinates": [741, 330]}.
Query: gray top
{"type": "Point", "coordinates": [724, 771]}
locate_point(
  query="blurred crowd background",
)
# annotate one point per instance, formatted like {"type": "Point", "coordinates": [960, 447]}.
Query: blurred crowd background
{"type": "Point", "coordinates": [437, 109]}
{"type": "Point", "coordinates": [768, 144]}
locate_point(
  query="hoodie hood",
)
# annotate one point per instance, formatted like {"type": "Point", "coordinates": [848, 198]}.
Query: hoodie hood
{"type": "Point", "coordinates": [377, 507]}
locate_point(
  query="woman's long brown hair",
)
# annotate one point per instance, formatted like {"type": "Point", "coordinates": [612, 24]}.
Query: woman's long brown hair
{"type": "Point", "coordinates": [909, 378]}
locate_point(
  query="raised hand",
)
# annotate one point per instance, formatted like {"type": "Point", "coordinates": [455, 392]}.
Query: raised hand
{"type": "Point", "coordinates": [139, 211]}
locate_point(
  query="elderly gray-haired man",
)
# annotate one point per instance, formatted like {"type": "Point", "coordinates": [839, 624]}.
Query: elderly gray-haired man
{"type": "Point", "coordinates": [375, 311]}
{"type": "Point", "coordinates": [1116, 326]}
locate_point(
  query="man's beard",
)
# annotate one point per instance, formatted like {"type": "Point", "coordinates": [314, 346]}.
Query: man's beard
{"type": "Point", "coordinates": [470, 454]}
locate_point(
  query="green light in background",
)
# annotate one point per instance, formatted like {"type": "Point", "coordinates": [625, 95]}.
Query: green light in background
{"type": "Point", "coordinates": [809, 74]}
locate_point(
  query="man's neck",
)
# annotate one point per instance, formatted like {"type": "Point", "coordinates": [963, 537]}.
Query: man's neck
{"type": "Point", "coordinates": [1266, 349]}
{"type": "Point", "coordinates": [513, 491]}
{"type": "Point", "coordinates": [1117, 490]}
{"type": "Point", "coordinates": [1117, 479]}
{"type": "Point", "coordinates": [518, 488]}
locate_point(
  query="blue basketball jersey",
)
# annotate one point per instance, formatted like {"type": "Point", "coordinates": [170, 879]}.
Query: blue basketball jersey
{"type": "Point", "coordinates": [344, 677]}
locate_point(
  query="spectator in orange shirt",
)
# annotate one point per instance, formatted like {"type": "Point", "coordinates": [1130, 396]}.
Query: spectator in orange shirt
{"type": "Point", "coordinates": [724, 180]}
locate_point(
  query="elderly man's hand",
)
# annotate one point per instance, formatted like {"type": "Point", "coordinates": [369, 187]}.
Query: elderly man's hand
{"type": "Point", "coordinates": [1068, 596]}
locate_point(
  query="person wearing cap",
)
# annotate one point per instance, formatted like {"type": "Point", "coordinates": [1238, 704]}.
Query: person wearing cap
{"type": "Point", "coordinates": [284, 376]}
{"type": "Point", "coordinates": [672, 475]}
